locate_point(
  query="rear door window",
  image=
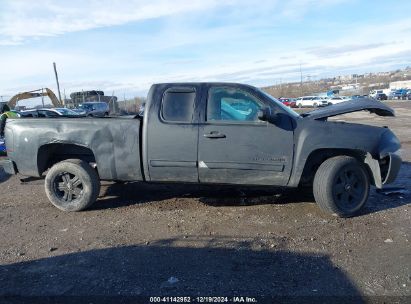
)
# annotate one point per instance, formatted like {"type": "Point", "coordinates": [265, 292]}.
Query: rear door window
{"type": "Point", "coordinates": [178, 105]}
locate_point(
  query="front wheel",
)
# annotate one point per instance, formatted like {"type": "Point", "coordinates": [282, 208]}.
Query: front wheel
{"type": "Point", "coordinates": [72, 185]}
{"type": "Point", "coordinates": [341, 186]}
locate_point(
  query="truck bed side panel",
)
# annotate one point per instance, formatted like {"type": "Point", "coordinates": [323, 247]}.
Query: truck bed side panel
{"type": "Point", "coordinates": [114, 143]}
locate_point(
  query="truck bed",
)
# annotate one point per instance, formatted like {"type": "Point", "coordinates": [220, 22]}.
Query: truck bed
{"type": "Point", "coordinates": [112, 143]}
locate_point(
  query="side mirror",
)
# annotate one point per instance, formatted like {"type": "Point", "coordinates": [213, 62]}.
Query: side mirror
{"type": "Point", "coordinates": [265, 114]}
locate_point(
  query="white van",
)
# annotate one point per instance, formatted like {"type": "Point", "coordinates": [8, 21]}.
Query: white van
{"type": "Point", "coordinates": [374, 93]}
{"type": "Point", "coordinates": [310, 101]}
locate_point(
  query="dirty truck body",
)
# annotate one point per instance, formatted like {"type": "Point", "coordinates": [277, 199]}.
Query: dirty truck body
{"type": "Point", "coordinates": [209, 133]}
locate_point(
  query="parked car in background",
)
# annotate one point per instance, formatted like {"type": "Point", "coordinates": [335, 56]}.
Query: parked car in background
{"type": "Point", "coordinates": [141, 109]}
{"type": "Point", "coordinates": [49, 113]}
{"type": "Point", "coordinates": [38, 113]}
{"type": "Point", "coordinates": [310, 101]}
{"type": "Point", "coordinates": [66, 112]}
{"type": "Point", "coordinates": [289, 102]}
{"type": "Point", "coordinates": [409, 95]}
{"type": "Point", "coordinates": [398, 94]}
{"type": "Point", "coordinates": [98, 109]}
{"type": "Point", "coordinates": [374, 93]}
{"type": "Point", "coordinates": [381, 96]}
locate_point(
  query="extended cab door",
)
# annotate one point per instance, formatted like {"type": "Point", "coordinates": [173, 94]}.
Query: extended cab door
{"type": "Point", "coordinates": [235, 147]}
{"type": "Point", "coordinates": [171, 133]}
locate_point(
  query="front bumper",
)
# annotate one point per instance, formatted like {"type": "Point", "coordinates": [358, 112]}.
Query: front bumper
{"type": "Point", "coordinates": [394, 165]}
{"type": "Point", "coordinates": [8, 166]}
{"type": "Point", "coordinates": [385, 170]}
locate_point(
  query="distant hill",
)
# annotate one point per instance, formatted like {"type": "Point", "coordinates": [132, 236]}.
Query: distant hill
{"type": "Point", "coordinates": [363, 82]}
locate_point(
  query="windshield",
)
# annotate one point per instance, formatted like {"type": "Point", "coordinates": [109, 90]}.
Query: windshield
{"type": "Point", "coordinates": [65, 111]}
{"type": "Point", "coordinates": [85, 106]}
{"type": "Point", "coordinates": [280, 104]}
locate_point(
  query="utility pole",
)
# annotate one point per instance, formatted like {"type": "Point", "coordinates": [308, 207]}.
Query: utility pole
{"type": "Point", "coordinates": [125, 102]}
{"type": "Point", "coordinates": [301, 80]}
{"type": "Point", "coordinates": [112, 103]}
{"type": "Point", "coordinates": [57, 80]}
{"type": "Point", "coordinates": [42, 97]}
{"type": "Point", "coordinates": [65, 98]}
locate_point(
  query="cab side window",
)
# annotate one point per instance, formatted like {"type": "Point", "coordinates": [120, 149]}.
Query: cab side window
{"type": "Point", "coordinates": [232, 104]}
{"type": "Point", "coordinates": [178, 105]}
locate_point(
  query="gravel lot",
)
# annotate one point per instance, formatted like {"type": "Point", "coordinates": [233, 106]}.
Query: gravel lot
{"type": "Point", "coordinates": [157, 240]}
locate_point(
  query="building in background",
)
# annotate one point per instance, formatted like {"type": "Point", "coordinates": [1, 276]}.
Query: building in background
{"type": "Point", "coordinates": [402, 84]}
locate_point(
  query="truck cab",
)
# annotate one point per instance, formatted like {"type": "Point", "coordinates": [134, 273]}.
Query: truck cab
{"type": "Point", "coordinates": [213, 134]}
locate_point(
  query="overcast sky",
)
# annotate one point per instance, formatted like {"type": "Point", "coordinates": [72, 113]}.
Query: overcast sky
{"type": "Point", "coordinates": [125, 46]}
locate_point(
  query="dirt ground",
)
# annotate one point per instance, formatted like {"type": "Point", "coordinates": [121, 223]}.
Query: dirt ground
{"type": "Point", "coordinates": [155, 240]}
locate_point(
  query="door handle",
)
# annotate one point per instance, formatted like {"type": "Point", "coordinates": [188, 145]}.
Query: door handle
{"type": "Point", "coordinates": [215, 134]}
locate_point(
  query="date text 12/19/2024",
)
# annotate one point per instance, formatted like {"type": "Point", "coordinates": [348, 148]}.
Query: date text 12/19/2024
{"type": "Point", "coordinates": [236, 299]}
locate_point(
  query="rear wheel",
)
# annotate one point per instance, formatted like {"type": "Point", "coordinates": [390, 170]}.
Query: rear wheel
{"type": "Point", "coordinates": [72, 185]}
{"type": "Point", "coordinates": [341, 186]}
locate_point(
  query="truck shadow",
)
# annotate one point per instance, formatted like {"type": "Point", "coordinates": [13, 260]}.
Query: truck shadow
{"type": "Point", "coordinates": [393, 195]}
{"type": "Point", "coordinates": [121, 195]}
{"type": "Point", "coordinates": [196, 266]}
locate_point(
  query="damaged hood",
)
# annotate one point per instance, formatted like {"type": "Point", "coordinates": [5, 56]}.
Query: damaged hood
{"type": "Point", "coordinates": [354, 105]}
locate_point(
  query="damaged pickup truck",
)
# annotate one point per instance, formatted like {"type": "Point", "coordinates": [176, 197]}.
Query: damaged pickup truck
{"type": "Point", "coordinates": [209, 133]}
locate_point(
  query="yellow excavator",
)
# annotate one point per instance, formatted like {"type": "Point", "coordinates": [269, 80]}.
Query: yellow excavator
{"type": "Point", "coordinates": [35, 93]}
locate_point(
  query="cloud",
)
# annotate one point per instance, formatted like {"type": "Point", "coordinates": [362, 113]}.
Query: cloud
{"type": "Point", "coordinates": [21, 20]}
{"type": "Point", "coordinates": [331, 51]}
{"type": "Point", "coordinates": [298, 8]}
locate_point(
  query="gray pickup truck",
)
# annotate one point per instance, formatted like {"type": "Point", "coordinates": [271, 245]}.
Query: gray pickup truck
{"type": "Point", "coordinates": [209, 133]}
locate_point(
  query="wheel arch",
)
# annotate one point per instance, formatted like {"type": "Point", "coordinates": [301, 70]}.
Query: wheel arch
{"type": "Point", "coordinates": [52, 153]}
{"type": "Point", "coordinates": [317, 157]}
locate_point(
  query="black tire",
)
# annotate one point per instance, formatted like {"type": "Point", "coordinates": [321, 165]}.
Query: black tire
{"type": "Point", "coordinates": [300, 105]}
{"type": "Point", "coordinates": [341, 186]}
{"type": "Point", "coordinates": [72, 185]}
